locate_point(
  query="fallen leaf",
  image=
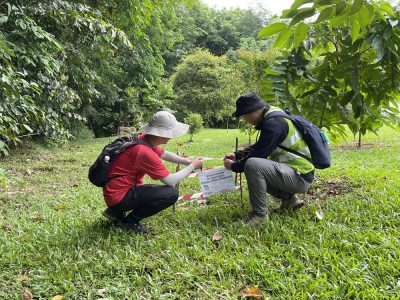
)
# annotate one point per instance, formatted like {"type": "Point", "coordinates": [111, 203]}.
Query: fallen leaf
{"type": "Point", "coordinates": [28, 172]}
{"type": "Point", "coordinates": [58, 297]}
{"type": "Point", "coordinates": [101, 292]}
{"type": "Point", "coordinates": [37, 218]}
{"type": "Point", "coordinates": [251, 292]}
{"type": "Point", "coordinates": [27, 295]}
{"type": "Point", "coordinates": [63, 196]}
{"type": "Point", "coordinates": [319, 214]}
{"type": "Point", "coordinates": [217, 236]}
{"type": "Point", "coordinates": [58, 207]}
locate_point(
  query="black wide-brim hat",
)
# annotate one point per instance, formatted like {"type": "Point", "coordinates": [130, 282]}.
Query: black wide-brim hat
{"type": "Point", "coordinates": [248, 103]}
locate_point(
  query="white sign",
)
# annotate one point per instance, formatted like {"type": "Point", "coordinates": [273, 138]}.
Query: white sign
{"type": "Point", "coordinates": [216, 181]}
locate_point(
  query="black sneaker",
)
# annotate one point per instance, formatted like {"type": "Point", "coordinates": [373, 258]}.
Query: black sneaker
{"type": "Point", "coordinates": [112, 215]}
{"type": "Point", "coordinates": [134, 227]}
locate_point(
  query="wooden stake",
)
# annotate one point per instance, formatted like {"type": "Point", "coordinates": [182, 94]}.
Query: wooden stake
{"type": "Point", "coordinates": [239, 175]}
{"type": "Point", "coordinates": [236, 149]}
{"type": "Point", "coordinates": [178, 168]}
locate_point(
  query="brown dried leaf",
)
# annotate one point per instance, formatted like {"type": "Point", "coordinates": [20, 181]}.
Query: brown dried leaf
{"type": "Point", "coordinates": [251, 292]}
{"type": "Point", "coordinates": [27, 295]}
{"type": "Point", "coordinates": [217, 236]}
{"type": "Point", "coordinates": [37, 218]}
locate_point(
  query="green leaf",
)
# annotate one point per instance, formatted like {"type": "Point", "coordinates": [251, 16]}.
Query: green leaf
{"type": "Point", "coordinates": [271, 30]}
{"type": "Point", "coordinates": [387, 7]}
{"type": "Point", "coordinates": [300, 34]}
{"type": "Point", "coordinates": [296, 4]}
{"type": "Point", "coordinates": [340, 8]}
{"type": "Point", "coordinates": [304, 14]}
{"type": "Point", "coordinates": [366, 15]}
{"type": "Point", "coordinates": [324, 14]}
{"type": "Point", "coordinates": [355, 30]}
{"type": "Point", "coordinates": [326, 2]}
{"type": "Point", "coordinates": [379, 45]}
{"type": "Point", "coordinates": [27, 127]}
{"type": "Point", "coordinates": [3, 19]}
{"type": "Point", "coordinates": [283, 38]}
{"type": "Point", "coordinates": [347, 98]}
{"type": "Point", "coordinates": [337, 21]}
{"type": "Point", "coordinates": [355, 8]}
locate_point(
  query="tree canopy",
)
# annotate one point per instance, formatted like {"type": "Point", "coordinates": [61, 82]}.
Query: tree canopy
{"type": "Point", "coordinates": [339, 64]}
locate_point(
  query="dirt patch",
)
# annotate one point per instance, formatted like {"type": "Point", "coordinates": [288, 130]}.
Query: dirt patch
{"type": "Point", "coordinates": [321, 190]}
{"type": "Point", "coordinates": [353, 146]}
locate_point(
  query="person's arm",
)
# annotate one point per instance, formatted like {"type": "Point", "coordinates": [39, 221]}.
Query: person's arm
{"type": "Point", "coordinates": [273, 132]}
{"type": "Point", "coordinates": [172, 157]}
{"type": "Point", "coordinates": [177, 177]}
{"type": "Point", "coordinates": [244, 152]}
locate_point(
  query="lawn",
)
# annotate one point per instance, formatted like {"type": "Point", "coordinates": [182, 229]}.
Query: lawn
{"type": "Point", "coordinates": [343, 245]}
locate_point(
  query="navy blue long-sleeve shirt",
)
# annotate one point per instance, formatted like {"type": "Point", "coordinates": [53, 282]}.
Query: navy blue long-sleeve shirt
{"type": "Point", "coordinates": [272, 132]}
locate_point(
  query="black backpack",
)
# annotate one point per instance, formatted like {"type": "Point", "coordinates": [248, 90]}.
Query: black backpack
{"type": "Point", "coordinates": [98, 172]}
{"type": "Point", "coordinates": [315, 138]}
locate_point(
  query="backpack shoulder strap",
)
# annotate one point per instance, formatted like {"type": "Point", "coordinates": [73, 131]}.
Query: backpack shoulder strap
{"type": "Point", "coordinates": [287, 115]}
{"type": "Point", "coordinates": [275, 114]}
{"type": "Point", "coordinates": [137, 141]}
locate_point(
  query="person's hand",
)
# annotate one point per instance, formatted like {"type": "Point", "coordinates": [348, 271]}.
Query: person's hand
{"type": "Point", "coordinates": [228, 164]}
{"type": "Point", "coordinates": [230, 156]}
{"type": "Point", "coordinates": [197, 163]}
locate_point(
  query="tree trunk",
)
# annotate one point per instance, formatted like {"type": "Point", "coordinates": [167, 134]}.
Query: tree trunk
{"type": "Point", "coordinates": [359, 138]}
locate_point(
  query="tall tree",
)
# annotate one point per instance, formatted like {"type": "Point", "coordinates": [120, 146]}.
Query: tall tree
{"type": "Point", "coordinates": [207, 85]}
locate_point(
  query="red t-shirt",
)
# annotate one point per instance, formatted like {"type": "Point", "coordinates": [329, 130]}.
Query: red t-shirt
{"type": "Point", "coordinates": [133, 164]}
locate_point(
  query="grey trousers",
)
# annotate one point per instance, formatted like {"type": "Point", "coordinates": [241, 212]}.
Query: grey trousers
{"type": "Point", "coordinates": [267, 176]}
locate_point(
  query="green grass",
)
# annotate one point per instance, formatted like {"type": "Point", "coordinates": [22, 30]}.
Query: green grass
{"type": "Point", "coordinates": [54, 241]}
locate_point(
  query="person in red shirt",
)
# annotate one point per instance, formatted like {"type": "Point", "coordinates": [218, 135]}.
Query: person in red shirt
{"type": "Point", "coordinates": [125, 191]}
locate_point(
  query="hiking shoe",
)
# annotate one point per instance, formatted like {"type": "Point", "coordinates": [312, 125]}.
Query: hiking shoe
{"type": "Point", "coordinates": [291, 204]}
{"type": "Point", "coordinates": [254, 220]}
{"type": "Point", "coordinates": [134, 227]}
{"type": "Point", "coordinates": [112, 215]}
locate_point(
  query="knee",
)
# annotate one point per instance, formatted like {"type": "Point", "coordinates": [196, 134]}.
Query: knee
{"type": "Point", "coordinates": [250, 165]}
{"type": "Point", "coordinates": [172, 194]}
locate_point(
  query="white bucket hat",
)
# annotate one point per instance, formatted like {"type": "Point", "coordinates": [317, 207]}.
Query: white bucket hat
{"type": "Point", "coordinates": [164, 124]}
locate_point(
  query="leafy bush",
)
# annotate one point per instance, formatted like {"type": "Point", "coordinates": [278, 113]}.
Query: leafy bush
{"type": "Point", "coordinates": [80, 131]}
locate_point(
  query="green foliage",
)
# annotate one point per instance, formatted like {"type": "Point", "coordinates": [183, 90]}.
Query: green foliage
{"type": "Point", "coordinates": [217, 31]}
{"type": "Point", "coordinates": [195, 121]}
{"type": "Point", "coordinates": [252, 65]}
{"type": "Point", "coordinates": [339, 68]}
{"type": "Point", "coordinates": [207, 85]}
{"type": "Point", "coordinates": [42, 85]}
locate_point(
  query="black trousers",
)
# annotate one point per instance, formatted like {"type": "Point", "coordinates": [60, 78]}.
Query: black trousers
{"type": "Point", "coordinates": [144, 201]}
